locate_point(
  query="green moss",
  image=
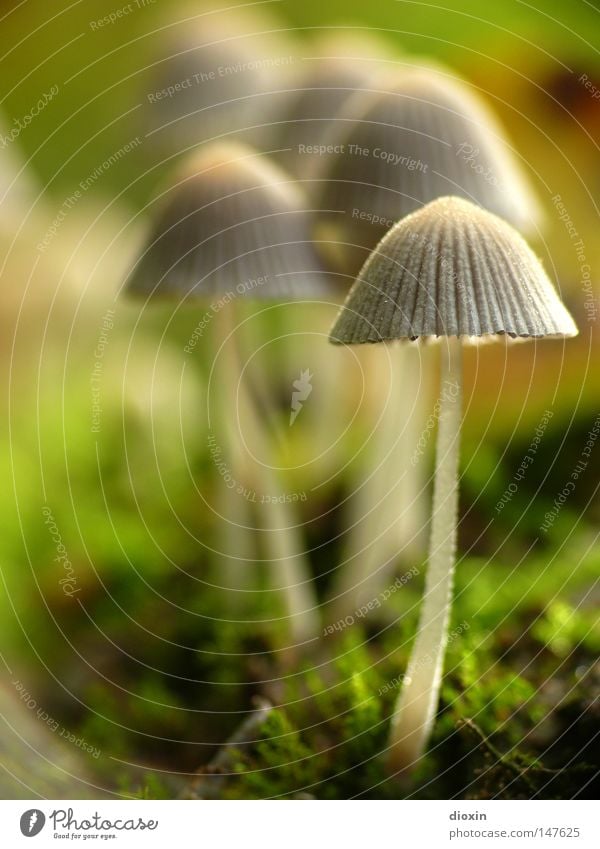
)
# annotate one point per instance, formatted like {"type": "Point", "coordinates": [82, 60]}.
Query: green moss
{"type": "Point", "coordinates": [329, 734]}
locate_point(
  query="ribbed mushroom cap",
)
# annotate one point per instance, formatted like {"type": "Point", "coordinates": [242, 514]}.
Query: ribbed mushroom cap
{"type": "Point", "coordinates": [420, 136]}
{"type": "Point", "coordinates": [233, 222]}
{"type": "Point", "coordinates": [339, 67]}
{"type": "Point", "coordinates": [451, 269]}
{"type": "Point", "coordinates": [322, 90]}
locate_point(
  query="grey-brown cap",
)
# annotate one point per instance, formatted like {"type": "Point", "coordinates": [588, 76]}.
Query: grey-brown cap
{"type": "Point", "coordinates": [232, 222]}
{"type": "Point", "coordinates": [339, 66]}
{"type": "Point", "coordinates": [451, 269]}
{"type": "Point", "coordinates": [419, 135]}
{"type": "Point", "coordinates": [215, 75]}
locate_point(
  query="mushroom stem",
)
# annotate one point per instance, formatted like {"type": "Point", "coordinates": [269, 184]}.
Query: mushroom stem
{"type": "Point", "coordinates": [388, 514]}
{"type": "Point", "coordinates": [416, 707]}
{"type": "Point", "coordinates": [281, 537]}
{"type": "Point", "coordinates": [284, 547]}
{"type": "Point", "coordinates": [237, 550]}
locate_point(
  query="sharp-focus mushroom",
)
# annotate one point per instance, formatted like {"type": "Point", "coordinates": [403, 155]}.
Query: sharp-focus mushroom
{"type": "Point", "coordinates": [411, 136]}
{"type": "Point", "coordinates": [234, 226]}
{"type": "Point", "coordinates": [455, 273]}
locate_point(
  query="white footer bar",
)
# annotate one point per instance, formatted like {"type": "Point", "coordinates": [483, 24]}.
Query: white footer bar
{"type": "Point", "coordinates": [301, 824]}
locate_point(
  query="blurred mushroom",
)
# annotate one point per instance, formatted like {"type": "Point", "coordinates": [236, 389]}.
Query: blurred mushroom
{"type": "Point", "coordinates": [217, 75]}
{"type": "Point", "coordinates": [456, 272]}
{"type": "Point", "coordinates": [230, 218]}
{"type": "Point", "coordinates": [416, 136]}
{"type": "Point", "coordinates": [388, 506]}
{"type": "Point", "coordinates": [336, 68]}
{"type": "Point", "coordinates": [234, 226]}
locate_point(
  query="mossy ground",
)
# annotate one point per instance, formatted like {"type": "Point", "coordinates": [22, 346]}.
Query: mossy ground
{"type": "Point", "coordinates": [157, 668]}
{"type": "Point", "coordinates": [517, 717]}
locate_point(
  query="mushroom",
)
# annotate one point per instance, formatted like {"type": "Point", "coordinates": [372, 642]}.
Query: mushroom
{"type": "Point", "coordinates": [387, 508]}
{"type": "Point", "coordinates": [414, 137]}
{"type": "Point", "coordinates": [411, 136]}
{"type": "Point", "coordinates": [339, 66]}
{"type": "Point", "coordinates": [217, 76]}
{"type": "Point", "coordinates": [456, 273]}
{"type": "Point", "coordinates": [234, 226]}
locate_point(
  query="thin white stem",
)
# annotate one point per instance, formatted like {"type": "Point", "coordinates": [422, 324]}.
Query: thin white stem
{"type": "Point", "coordinates": [281, 537]}
{"type": "Point", "coordinates": [237, 546]}
{"type": "Point", "coordinates": [416, 707]}
{"type": "Point", "coordinates": [388, 514]}
{"type": "Point", "coordinates": [291, 577]}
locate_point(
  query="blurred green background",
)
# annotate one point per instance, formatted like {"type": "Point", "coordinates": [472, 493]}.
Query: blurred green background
{"type": "Point", "coordinates": [140, 664]}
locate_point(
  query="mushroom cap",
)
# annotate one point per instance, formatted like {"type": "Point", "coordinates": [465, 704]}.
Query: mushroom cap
{"type": "Point", "coordinates": [340, 66]}
{"type": "Point", "coordinates": [215, 75]}
{"type": "Point", "coordinates": [419, 135]}
{"type": "Point", "coordinates": [232, 222]}
{"type": "Point", "coordinates": [451, 269]}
